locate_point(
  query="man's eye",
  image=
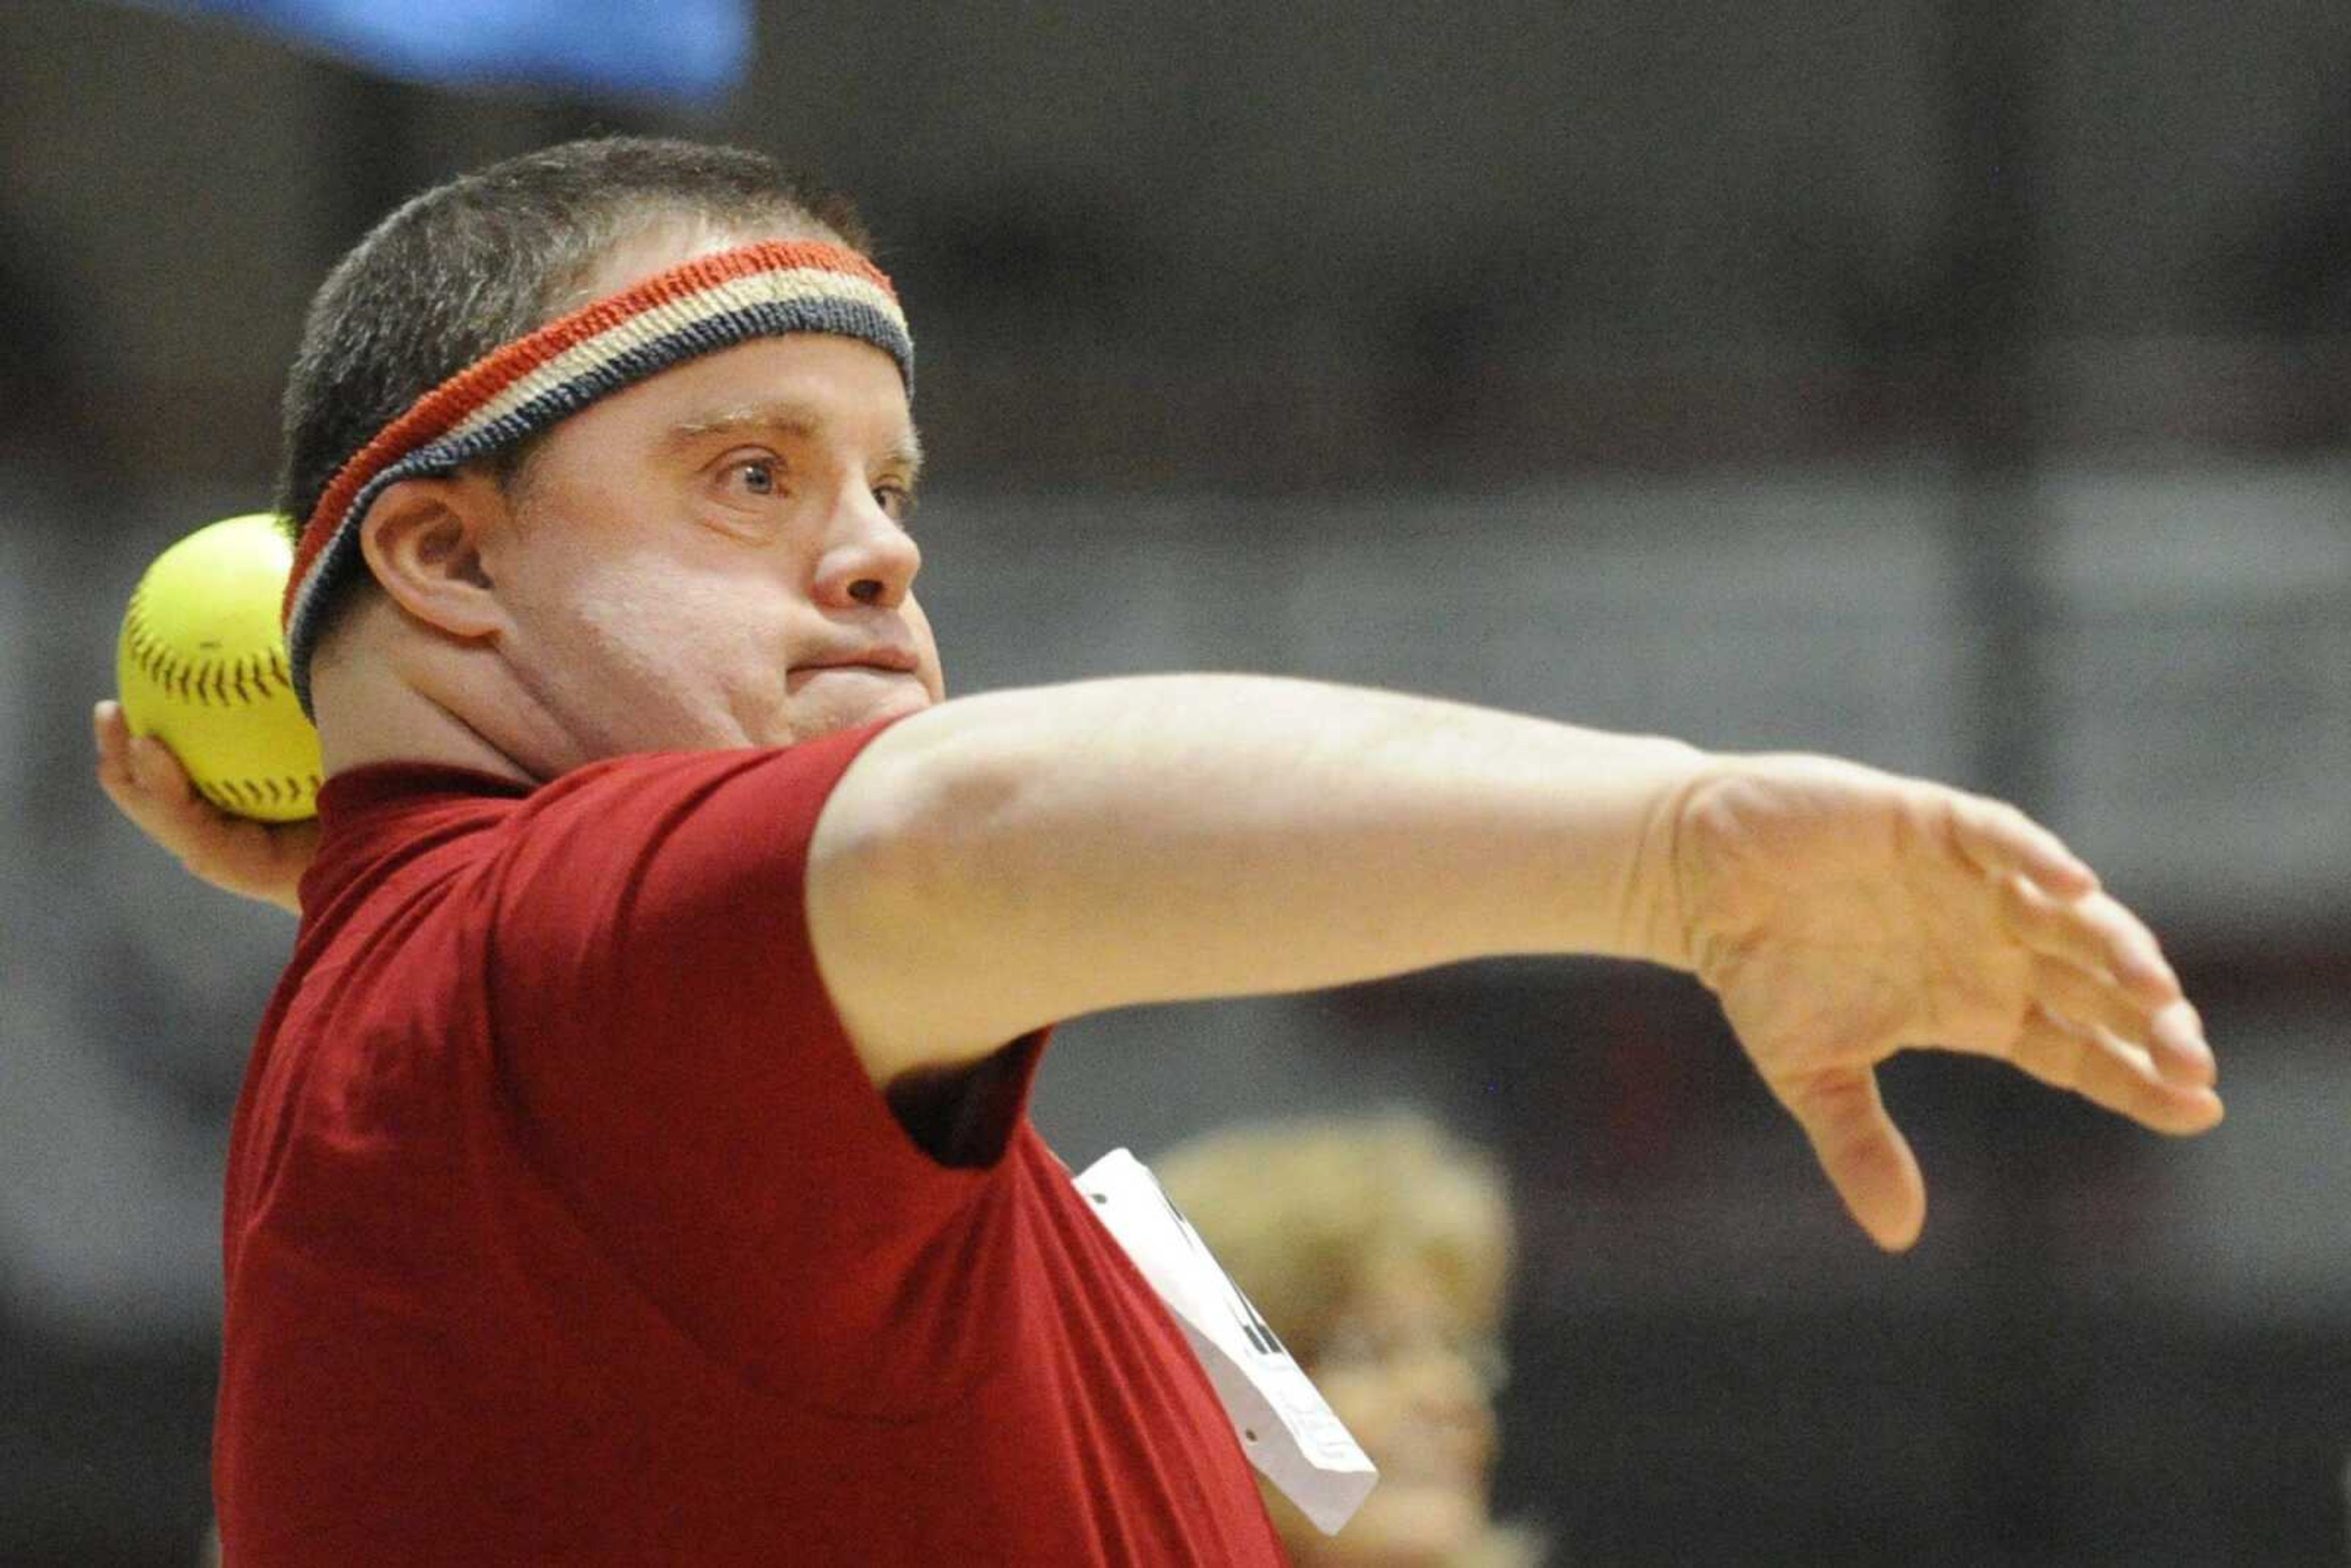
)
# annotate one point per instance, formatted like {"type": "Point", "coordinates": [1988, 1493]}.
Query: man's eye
{"type": "Point", "coordinates": [756, 475]}
{"type": "Point", "coordinates": [896, 501]}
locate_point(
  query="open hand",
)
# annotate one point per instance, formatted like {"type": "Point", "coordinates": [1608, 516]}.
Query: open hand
{"type": "Point", "coordinates": [257, 860]}
{"type": "Point", "coordinates": [1842, 914]}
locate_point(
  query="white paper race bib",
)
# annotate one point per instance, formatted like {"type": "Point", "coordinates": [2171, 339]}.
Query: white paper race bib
{"type": "Point", "coordinates": [1288, 1433]}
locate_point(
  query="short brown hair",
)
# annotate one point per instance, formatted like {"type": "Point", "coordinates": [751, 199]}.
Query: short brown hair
{"type": "Point", "coordinates": [486, 257]}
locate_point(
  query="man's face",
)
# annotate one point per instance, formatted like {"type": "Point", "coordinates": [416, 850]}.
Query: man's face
{"type": "Point", "coordinates": [719, 556]}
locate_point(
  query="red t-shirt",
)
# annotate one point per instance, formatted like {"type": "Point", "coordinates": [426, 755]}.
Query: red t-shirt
{"type": "Point", "coordinates": [564, 1226]}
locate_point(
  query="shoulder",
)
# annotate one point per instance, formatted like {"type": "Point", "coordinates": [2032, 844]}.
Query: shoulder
{"type": "Point", "coordinates": [667, 782]}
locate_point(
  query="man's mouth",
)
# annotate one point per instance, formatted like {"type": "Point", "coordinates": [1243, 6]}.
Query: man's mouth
{"type": "Point", "coordinates": [879, 664]}
{"type": "Point", "coordinates": [894, 661]}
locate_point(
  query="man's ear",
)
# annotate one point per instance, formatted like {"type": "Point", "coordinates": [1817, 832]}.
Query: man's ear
{"type": "Point", "coordinates": [422, 539]}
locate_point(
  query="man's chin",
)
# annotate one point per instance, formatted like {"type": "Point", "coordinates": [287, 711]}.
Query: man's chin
{"type": "Point", "coordinates": [850, 699]}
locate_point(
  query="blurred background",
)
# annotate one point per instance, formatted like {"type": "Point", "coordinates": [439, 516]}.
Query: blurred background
{"type": "Point", "coordinates": [1961, 385]}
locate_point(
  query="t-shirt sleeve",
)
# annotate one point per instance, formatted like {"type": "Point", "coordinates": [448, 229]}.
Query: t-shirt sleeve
{"type": "Point", "coordinates": [678, 1072]}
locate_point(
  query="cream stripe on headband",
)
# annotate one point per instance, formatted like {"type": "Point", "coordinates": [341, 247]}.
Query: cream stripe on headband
{"type": "Point", "coordinates": [736, 294]}
{"type": "Point", "coordinates": [538, 379]}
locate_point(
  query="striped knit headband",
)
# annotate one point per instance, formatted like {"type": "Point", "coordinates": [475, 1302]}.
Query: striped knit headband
{"type": "Point", "coordinates": [534, 382]}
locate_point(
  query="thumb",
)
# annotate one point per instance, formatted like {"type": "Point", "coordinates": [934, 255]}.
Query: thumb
{"type": "Point", "coordinates": [157, 771]}
{"type": "Point", "coordinates": [1865, 1154]}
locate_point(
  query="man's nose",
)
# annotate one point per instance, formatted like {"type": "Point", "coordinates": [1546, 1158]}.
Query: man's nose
{"type": "Point", "coordinates": [869, 558]}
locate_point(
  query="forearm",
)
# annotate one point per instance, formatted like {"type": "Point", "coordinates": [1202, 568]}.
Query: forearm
{"type": "Point", "coordinates": [1047, 853]}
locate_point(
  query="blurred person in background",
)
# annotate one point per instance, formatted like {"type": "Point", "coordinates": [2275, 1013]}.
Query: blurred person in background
{"type": "Point", "coordinates": [1379, 1249]}
{"type": "Point", "coordinates": [634, 1164]}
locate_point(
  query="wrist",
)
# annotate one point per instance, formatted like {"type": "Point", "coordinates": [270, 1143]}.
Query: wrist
{"type": "Point", "coordinates": [1658, 907]}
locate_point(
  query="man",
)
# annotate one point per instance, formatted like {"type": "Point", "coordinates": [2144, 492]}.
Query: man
{"type": "Point", "coordinates": [632, 1167]}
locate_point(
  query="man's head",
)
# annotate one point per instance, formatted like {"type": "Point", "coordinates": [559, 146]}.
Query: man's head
{"type": "Point", "coordinates": [712, 554]}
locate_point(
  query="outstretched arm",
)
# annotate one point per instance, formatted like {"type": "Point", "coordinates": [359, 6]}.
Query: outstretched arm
{"type": "Point", "coordinates": [1005, 861]}
{"type": "Point", "coordinates": [263, 861]}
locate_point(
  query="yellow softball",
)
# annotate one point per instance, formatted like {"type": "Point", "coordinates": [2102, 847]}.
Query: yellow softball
{"type": "Point", "coordinates": [201, 666]}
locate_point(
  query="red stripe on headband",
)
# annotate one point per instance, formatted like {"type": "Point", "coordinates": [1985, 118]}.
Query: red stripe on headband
{"type": "Point", "coordinates": [447, 406]}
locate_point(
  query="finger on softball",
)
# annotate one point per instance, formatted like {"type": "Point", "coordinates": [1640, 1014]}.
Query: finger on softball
{"type": "Point", "coordinates": [2001, 840]}
{"type": "Point", "coordinates": [112, 738]}
{"type": "Point", "coordinates": [159, 796]}
{"type": "Point", "coordinates": [2109, 1072]}
{"type": "Point", "coordinates": [1864, 1155]}
{"type": "Point", "coordinates": [158, 773]}
{"type": "Point", "coordinates": [121, 774]}
{"type": "Point", "coordinates": [2093, 932]}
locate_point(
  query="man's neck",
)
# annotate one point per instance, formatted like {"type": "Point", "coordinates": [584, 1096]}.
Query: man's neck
{"type": "Point", "coordinates": [381, 700]}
